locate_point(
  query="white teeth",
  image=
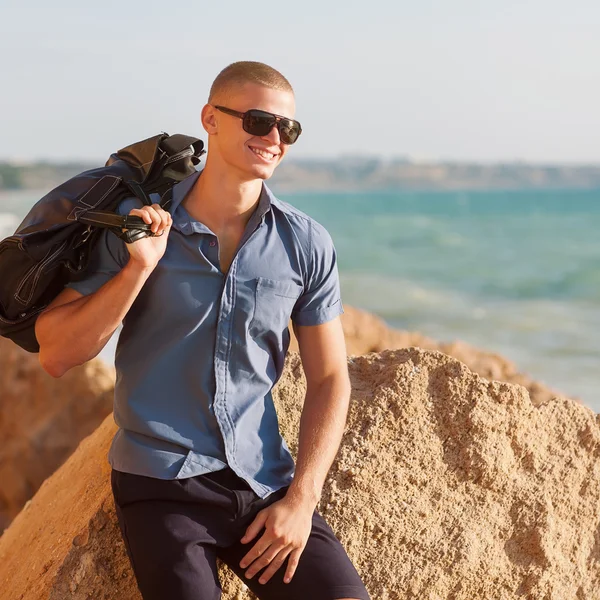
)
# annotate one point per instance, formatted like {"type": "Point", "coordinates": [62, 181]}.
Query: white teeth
{"type": "Point", "coordinates": [262, 153]}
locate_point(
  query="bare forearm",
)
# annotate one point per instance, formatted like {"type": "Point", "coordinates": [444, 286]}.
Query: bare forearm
{"type": "Point", "coordinates": [73, 333]}
{"type": "Point", "coordinates": [321, 428]}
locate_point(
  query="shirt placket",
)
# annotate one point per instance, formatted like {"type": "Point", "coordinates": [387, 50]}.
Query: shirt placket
{"type": "Point", "coordinates": [223, 349]}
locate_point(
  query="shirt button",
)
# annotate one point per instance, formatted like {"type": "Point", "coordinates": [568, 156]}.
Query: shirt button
{"type": "Point", "coordinates": [213, 243]}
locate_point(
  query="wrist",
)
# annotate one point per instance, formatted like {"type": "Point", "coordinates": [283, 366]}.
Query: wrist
{"type": "Point", "coordinates": [303, 495]}
{"type": "Point", "coordinates": [137, 268]}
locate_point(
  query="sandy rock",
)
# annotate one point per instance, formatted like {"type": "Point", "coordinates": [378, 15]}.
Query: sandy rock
{"type": "Point", "coordinates": [446, 485]}
{"type": "Point", "coordinates": [365, 332]}
{"type": "Point", "coordinates": [42, 420]}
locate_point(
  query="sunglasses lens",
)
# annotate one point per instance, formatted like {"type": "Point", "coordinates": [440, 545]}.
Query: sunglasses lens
{"type": "Point", "coordinates": [257, 122]}
{"type": "Point", "coordinates": [289, 131]}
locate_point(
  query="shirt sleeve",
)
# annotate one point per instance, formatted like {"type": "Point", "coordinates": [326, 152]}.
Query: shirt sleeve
{"type": "Point", "coordinates": [108, 257]}
{"type": "Point", "coordinates": [321, 300]}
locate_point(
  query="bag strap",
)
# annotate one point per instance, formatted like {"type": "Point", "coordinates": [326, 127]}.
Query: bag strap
{"type": "Point", "coordinates": [129, 228]}
{"type": "Point", "coordinates": [178, 142]}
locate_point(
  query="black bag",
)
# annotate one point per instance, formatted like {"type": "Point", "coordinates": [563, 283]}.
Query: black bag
{"type": "Point", "coordinates": [53, 244]}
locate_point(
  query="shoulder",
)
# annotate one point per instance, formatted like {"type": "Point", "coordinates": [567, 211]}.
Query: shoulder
{"type": "Point", "coordinates": [312, 232]}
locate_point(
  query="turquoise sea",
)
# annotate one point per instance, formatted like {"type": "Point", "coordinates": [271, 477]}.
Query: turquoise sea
{"type": "Point", "coordinates": [513, 272]}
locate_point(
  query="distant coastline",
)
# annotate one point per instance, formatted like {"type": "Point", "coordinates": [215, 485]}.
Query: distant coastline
{"type": "Point", "coordinates": [357, 174]}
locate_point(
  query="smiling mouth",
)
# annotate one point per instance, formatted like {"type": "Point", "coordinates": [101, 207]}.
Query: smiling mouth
{"type": "Point", "coordinates": [264, 154]}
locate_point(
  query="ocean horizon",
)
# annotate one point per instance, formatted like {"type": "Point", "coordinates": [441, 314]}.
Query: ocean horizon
{"type": "Point", "coordinates": [512, 272]}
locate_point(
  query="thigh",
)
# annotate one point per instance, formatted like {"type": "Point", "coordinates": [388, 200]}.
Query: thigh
{"type": "Point", "coordinates": [324, 572]}
{"type": "Point", "coordinates": [172, 553]}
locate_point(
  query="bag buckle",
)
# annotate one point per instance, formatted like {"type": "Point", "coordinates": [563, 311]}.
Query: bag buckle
{"type": "Point", "coordinates": [84, 237]}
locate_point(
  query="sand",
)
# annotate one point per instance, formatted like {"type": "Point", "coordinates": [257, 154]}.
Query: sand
{"type": "Point", "coordinates": [446, 486]}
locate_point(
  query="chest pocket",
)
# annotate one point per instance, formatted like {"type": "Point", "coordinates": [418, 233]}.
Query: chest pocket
{"type": "Point", "coordinates": [273, 304]}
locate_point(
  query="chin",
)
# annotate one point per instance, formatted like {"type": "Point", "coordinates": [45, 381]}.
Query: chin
{"type": "Point", "coordinates": [262, 171]}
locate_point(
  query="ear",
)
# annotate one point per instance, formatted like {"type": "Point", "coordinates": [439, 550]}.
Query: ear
{"type": "Point", "coordinates": [208, 117]}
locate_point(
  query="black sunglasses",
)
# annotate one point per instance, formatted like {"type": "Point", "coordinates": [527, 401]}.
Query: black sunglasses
{"type": "Point", "coordinates": [260, 122]}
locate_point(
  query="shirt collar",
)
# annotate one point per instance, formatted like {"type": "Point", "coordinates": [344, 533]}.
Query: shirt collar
{"type": "Point", "coordinates": [183, 222]}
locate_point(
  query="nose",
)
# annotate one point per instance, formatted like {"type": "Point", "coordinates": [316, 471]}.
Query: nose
{"type": "Point", "coordinates": [273, 135]}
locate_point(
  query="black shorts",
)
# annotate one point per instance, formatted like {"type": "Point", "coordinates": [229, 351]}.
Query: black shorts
{"type": "Point", "coordinates": [175, 529]}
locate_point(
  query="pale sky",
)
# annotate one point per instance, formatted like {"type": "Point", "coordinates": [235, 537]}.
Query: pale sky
{"type": "Point", "coordinates": [438, 79]}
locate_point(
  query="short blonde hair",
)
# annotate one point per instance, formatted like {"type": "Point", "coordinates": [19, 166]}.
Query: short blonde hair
{"type": "Point", "coordinates": [238, 73]}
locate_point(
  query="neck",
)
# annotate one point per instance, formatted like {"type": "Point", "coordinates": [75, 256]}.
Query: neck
{"type": "Point", "coordinates": [221, 199]}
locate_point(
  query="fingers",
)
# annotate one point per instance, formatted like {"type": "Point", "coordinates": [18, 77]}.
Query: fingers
{"type": "Point", "coordinates": [292, 564]}
{"type": "Point", "coordinates": [274, 558]}
{"type": "Point", "coordinates": [155, 216]}
{"type": "Point", "coordinates": [255, 526]}
{"type": "Point", "coordinates": [258, 549]}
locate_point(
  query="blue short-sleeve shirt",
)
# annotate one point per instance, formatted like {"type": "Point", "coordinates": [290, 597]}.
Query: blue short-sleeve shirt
{"type": "Point", "coordinates": [200, 350]}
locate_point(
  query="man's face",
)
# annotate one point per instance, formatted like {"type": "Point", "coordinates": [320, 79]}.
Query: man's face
{"type": "Point", "coordinates": [239, 149]}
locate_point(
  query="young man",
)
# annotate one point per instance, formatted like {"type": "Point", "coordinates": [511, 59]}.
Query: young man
{"type": "Point", "coordinates": [200, 469]}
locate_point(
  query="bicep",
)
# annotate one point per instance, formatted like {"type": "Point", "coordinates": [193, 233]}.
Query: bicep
{"type": "Point", "coordinates": [66, 296]}
{"type": "Point", "coordinates": [322, 350]}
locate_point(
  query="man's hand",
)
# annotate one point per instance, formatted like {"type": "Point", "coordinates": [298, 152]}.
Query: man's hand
{"type": "Point", "coordinates": [147, 251]}
{"type": "Point", "coordinates": [288, 523]}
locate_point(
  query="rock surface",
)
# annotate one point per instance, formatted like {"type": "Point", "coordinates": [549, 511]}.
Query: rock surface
{"type": "Point", "coordinates": [365, 332]}
{"type": "Point", "coordinates": [42, 420]}
{"type": "Point", "coordinates": [446, 485]}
